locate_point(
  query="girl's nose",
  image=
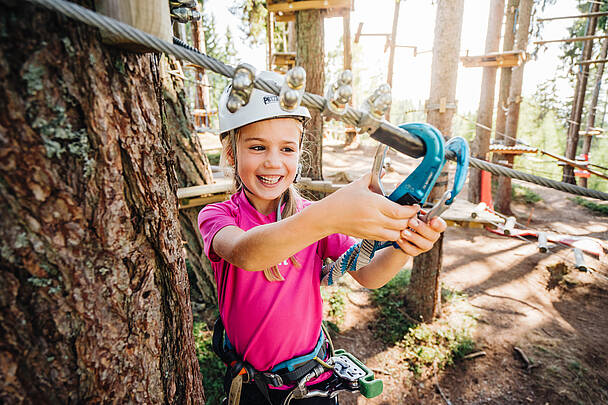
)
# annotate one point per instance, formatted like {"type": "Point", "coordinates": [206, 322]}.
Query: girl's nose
{"type": "Point", "coordinates": [273, 159]}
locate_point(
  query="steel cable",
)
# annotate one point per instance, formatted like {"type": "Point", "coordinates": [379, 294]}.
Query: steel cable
{"type": "Point", "coordinates": [409, 144]}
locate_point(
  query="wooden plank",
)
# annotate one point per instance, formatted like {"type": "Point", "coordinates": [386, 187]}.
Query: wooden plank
{"type": "Point", "coordinates": [506, 59]}
{"type": "Point", "coordinates": [287, 59]}
{"type": "Point", "coordinates": [201, 112]}
{"type": "Point", "coordinates": [318, 185]}
{"type": "Point", "coordinates": [205, 189]}
{"type": "Point", "coordinates": [151, 16]}
{"type": "Point", "coordinates": [465, 213]}
{"type": "Point", "coordinates": [200, 201]}
{"type": "Point", "coordinates": [291, 6]}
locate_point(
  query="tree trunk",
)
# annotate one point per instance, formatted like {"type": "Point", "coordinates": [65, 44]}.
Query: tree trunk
{"type": "Point", "coordinates": [593, 105]}
{"type": "Point", "coordinates": [311, 56]}
{"type": "Point", "coordinates": [94, 291]}
{"type": "Point", "coordinates": [503, 193]}
{"type": "Point", "coordinates": [481, 144]}
{"type": "Point", "coordinates": [505, 76]}
{"type": "Point", "coordinates": [579, 98]}
{"type": "Point", "coordinates": [424, 296]}
{"type": "Point", "coordinates": [192, 169]}
{"type": "Point", "coordinates": [391, 52]}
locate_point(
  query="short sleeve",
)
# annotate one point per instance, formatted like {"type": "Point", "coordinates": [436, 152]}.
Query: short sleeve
{"type": "Point", "coordinates": [211, 219]}
{"type": "Point", "coordinates": [334, 245]}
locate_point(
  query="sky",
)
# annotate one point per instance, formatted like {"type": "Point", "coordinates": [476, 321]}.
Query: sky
{"type": "Point", "coordinates": [412, 75]}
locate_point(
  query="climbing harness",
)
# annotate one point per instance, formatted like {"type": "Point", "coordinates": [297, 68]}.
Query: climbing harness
{"type": "Point", "coordinates": [349, 374]}
{"type": "Point", "coordinates": [413, 190]}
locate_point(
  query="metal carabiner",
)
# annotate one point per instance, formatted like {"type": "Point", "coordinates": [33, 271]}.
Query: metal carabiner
{"type": "Point", "coordinates": [460, 147]}
{"type": "Point", "coordinates": [417, 186]}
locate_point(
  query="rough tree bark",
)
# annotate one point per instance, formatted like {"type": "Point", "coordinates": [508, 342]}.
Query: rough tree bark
{"type": "Point", "coordinates": [503, 192]}
{"type": "Point", "coordinates": [311, 56]}
{"type": "Point", "coordinates": [480, 147]}
{"type": "Point", "coordinates": [593, 105]}
{"type": "Point", "coordinates": [424, 296]}
{"type": "Point", "coordinates": [93, 284]}
{"type": "Point", "coordinates": [579, 99]}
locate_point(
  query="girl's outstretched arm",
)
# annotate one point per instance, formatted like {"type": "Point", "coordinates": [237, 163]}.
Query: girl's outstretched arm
{"type": "Point", "coordinates": [353, 210]}
{"type": "Point", "coordinates": [387, 262]}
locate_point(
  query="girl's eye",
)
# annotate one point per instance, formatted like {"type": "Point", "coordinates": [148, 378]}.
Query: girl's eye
{"type": "Point", "coordinates": [288, 149]}
{"type": "Point", "coordinates": [257, 147]}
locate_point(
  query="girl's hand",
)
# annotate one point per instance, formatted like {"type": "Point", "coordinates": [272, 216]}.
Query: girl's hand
{"type": "Point", "coordinates": [420, 237]}
{"type": "Point", "coordinates": [357, 211]}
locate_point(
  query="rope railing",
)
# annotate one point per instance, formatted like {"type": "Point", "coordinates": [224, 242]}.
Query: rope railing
{"type": "Point", "coordinates": [386, 133]}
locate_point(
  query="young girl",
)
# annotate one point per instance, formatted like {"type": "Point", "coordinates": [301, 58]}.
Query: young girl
{"type": "Point", "coordinates": [267, 246]}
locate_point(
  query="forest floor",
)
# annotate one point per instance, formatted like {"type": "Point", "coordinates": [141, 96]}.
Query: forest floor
{"type": "Point", "coordinates": [512, 295]}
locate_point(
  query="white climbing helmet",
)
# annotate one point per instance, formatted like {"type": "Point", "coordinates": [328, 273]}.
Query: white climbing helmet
{"type": "Point", "coordinates": [261, 106]}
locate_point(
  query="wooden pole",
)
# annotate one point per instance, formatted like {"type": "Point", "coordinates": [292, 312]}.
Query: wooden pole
{"type": "Point", "coordinates": [269, 37]}
{"type": "Point", "coordinates": [505, 74]}
{"type": "Point", "coordinates": [503, 194]}
{"type": "Point", "coordinates": [591, 62]}
{"type": "Point", "coordinates": [579, 99]}
{"type": "Point", "coordinates": [575, 39]}
{"type": "Point", "coordinates": [424, 295]}
{"type": "Point", "coordinates": [151, 16]}
{"type": "Point", "coordinates": [481, 144]}
{"type": "Point", "coordinates": [202, 82]}
{"type": "Point", "coordinates": [391, 55]}
{"type": "Point", "coordinates": [310, 36]}
{"type": "Point", "coordinates": [348, 56]}
{"type": "Point", "coordinates": [593, 106]}
{"type": "Point", "coordinates": [598, 14]}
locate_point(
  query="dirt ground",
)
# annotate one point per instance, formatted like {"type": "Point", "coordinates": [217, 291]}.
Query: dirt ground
{"type": "Point", "coordinates": [521, 298]}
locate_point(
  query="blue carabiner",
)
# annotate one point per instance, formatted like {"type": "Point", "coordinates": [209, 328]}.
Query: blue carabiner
{"type": "Point", "coordinates": [416, 187]}
{"type": "Point", "coordinates": [460, 147]}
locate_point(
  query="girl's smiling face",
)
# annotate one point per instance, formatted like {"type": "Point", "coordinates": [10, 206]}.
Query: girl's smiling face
{"type": "Point", "coordinates": [267, 160]}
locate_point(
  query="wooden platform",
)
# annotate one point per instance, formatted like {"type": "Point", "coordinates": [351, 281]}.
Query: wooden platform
{"type": "Point", "coordinates": [466, 214]}
{"type": "Point", "coordinates": [285, 10]}
{"type": "Point", "coordinates": [505, 59]}
{"type": "Point", "coordinates": [284, 59]}
{"type": "Point", "coordinates": [197, 196]}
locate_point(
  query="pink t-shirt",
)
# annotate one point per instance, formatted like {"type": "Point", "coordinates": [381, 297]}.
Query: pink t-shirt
{"type": "Point", "coordinates": [268, 322]}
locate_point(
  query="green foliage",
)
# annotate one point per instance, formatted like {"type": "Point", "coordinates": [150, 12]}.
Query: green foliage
{"type": "Point", "coordinates": [335, 296]}
{"type": "Point", "coordinates": [601, 209]}
{"type": "Point", "coordinates": [392, 323]}
{"type": "Point", "coordinates": [424, 346]}
{"type": "Point", "coordinates": [524, 194]}
{"type": "Point", "coordinates": [214, 158]}
{"type": "Point", "coordinates": [210, 364]}
{"type": "Point", "coordinates": [253, 19]}
{"type": "Point", "coordinates": [428, 346]}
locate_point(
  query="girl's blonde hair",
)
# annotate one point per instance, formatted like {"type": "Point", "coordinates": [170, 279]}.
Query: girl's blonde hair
{"type": "Point", "coordinates": [290, 197]}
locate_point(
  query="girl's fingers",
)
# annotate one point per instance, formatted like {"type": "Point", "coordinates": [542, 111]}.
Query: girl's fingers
{"type": "Point", "coordinates": [430, 231]}
{"type": "Point", "coordinates": [417, 240]}
{"type": "Point", "coordinates": [408, 248]}
{"type": "Point", "coordinates": [394, 210]}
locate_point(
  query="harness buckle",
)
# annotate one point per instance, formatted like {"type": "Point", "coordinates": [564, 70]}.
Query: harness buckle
{"type": "Point", "coordinates": [273, 379]}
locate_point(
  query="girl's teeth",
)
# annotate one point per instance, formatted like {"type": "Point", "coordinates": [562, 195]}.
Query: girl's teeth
{"type": "Point", "coordinates": [269, 180]}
